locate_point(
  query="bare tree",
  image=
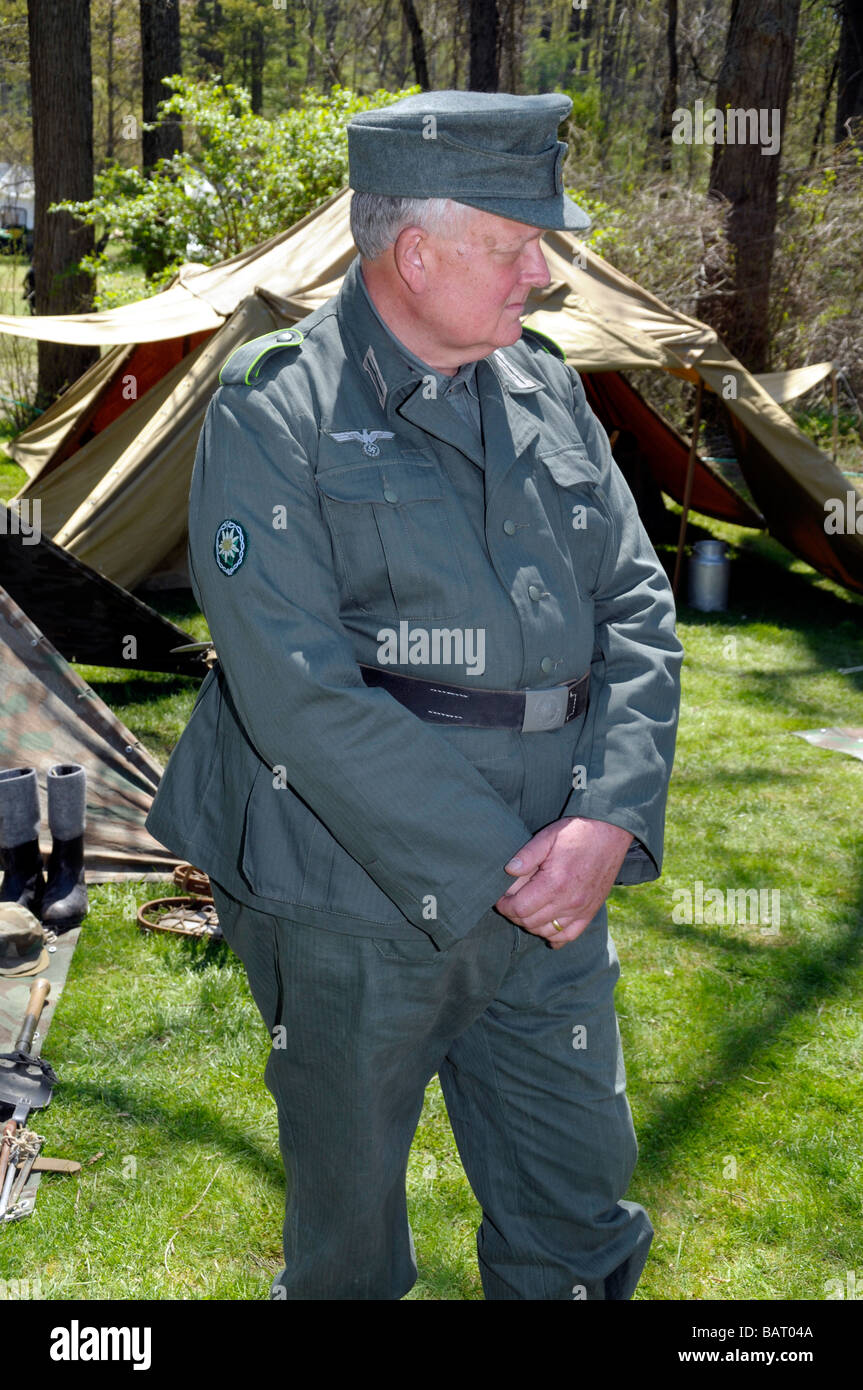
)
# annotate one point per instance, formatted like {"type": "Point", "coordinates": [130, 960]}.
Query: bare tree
{"type": "Point", "coordinates": [211, 53]}
{"type": "Point", "coordinates": [849, 99]}
{"type": "Point", "coordinates": [110, 90]}
{"type": "Point", "coordinates": [484, 46]}
{"type": "Point", "coordinates": [669, 100]}
{"type": "Point", "coordinates": [62, 95]}
{"type": "Point", "coordinates": [331, 19]}
{"type": "Point", "coordinates": [312, 53]}
{"type": "Point", "coordinates": [512, 30]}
{"type": "Point", "coordinates": [418, 44]}
{"type": "Point", "coordinates": [821, 123]}
{"type": "Point", "coordinates": [160, 57]}
{"type": "Point", "coordinates": [754, 83]}
{"type": "Point", "coordinates": [257, 57]}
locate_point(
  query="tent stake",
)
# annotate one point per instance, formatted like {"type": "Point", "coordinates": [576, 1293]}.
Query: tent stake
{"type": "Point", "coordinates": [687, 491]}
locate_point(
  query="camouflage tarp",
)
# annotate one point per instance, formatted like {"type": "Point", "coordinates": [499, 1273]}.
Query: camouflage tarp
{"type": "Point", "coordinates": [87, 618]}
{"type": "Point", "coordinates": [14, 994]}
{"type": "Point", "coordinates": [48, 715]}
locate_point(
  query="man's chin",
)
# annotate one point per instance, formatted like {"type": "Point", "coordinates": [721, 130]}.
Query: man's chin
{"type": "Point", "coordinates": [510, 333]}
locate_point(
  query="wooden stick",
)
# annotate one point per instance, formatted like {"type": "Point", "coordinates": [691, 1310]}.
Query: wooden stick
{"type": "Point", "coordinates": [687, 491]}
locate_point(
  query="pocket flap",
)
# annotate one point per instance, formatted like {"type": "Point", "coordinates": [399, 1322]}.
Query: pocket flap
{"type": "Point", "coordinates": [571, 465]}
{"type": "Point", "coordinates": [390, 484]}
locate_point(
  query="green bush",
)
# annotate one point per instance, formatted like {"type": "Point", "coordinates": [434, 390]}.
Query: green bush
{"type": "Point", "coordinates": [240, 179]}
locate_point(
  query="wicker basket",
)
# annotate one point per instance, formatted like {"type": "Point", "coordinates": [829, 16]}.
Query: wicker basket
{"type": "Point", "coordinates": [182, 916]}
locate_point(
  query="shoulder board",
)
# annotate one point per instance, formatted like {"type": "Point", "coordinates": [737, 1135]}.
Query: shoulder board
{"type": "Point", "coordinates": [542, 340]}
{"type": "Point", "coordinates": [243, 367]}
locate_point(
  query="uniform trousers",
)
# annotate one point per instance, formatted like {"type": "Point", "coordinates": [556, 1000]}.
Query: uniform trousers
{"type": "Point", "coordinates": [526, 1043]}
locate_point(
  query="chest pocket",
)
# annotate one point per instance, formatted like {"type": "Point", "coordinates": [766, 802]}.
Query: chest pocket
{"type": "Point", "coordinates": [394, 535]}
{"type": "Point", "coordinates": [588, 524]}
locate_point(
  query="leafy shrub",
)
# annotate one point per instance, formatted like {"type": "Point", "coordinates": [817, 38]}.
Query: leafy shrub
{"type": "Point", "coordinates": [240, 179]}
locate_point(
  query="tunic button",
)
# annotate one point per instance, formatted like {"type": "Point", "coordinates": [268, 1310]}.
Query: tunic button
{"type": "Point", "coordinates": [390, 495]}
{"type": "Point", "coordinates": [547, 665]}
{"type": "Point", "coordinates": [534, 592]}
{"type": "Point", "coordinates": [509, 527]}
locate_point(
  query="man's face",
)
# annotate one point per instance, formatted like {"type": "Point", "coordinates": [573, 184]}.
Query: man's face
{"type": "Point", "coordinates": [476, 282]}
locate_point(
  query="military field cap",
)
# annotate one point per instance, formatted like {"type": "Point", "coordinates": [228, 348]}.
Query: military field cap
{"type": "Point", "coordinates": [22, 941]}
{"type": "Point", "coordinates": [491, 150]}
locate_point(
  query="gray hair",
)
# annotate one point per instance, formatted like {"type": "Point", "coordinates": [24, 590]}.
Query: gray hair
{"type": "Point", "coordinates": [377, 219]}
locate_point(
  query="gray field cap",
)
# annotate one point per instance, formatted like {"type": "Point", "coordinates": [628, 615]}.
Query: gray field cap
{"type": "Point", "coordinates": [490, 150]}
{"type": "Point", "coordinates": [22, 941]}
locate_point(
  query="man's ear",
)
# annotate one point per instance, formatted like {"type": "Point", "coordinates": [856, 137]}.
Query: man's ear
{"type": "Point", "coordinates": [408, 254]}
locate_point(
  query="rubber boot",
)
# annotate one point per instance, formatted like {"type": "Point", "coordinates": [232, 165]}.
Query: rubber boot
{"type": "Point", "coordinates": [65, 903]}
{"type": "Point", "coordinates": [19, 839]}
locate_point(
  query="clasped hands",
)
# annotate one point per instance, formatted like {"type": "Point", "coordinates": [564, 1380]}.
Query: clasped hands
{"type": "Point", "coordinates": [564, 873]}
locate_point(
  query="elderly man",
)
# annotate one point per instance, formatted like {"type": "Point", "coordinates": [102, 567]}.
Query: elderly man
{"type": "Point", "coordinates": [441, 726]}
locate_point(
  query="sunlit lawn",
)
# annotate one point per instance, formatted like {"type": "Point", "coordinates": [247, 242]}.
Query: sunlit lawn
{"type": "Point", "coordinates": [742, 1044]}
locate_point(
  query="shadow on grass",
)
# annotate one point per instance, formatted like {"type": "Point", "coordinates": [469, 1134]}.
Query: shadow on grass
{"type": "Point", "coordinates": [764, 587]}
{"type": "Point", "coordinates": [175, 605]}
{"type": "Point", "coordinates": [196, 953]}
{"type": "Point", "coordinates": [803, 975]}
{"type": "Point", "coordinates": [137, 691]}
{"type": "Point", "coordinates": [182, 1123]}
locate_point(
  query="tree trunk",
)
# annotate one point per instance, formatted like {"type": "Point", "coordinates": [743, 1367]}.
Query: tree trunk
{"type": "Point", "coordinates": [461, 17]}
{"type": "Point", "coordinates": [512, 28]}
{"type": "Point", "coordinates": [211, 54]}
{"type": "Point", "coordinates": [821, 123]}
{"type": "Point", "coordinates": [418, 44]}
{"type": "Point", "coordinates": [62, 94]}
{"type": "Point", "coordinates": [331, 19]}
{"type": "Point", "coordinates": [608, 50]}
{"type": "Point", "coordinates": [312, 55]}
{"type": "Point", "coordinates": [669, 100]}
{"type": "Point", "coordinates": [754, 79]}
{"type": "Point", "coordinates": [585, 33]}
{"type": "Point", "coordinates": [573, 34]}
{"type": "Point", "coordinates": [160, 57]}
{"type": "Point", "coordinates": [109, 83]}
{"type": "Point", "coordinates": [383, 46]}
{"type": "Point", "coordinates": [484, 46]}
{"type": "Point", "coordinates": [257, 57]}
{"type": "Point", "coordinates": [849, 99]}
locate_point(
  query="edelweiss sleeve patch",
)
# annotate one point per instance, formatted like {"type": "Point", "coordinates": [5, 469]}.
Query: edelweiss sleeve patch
{"type": "Point", "coordinates": [230, 547]}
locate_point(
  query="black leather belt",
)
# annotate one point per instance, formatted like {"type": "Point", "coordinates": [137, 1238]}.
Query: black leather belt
{"type": "Point", "coordinates": [531, 711]}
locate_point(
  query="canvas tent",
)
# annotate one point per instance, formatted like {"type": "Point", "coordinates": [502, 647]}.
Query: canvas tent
{"type": "Point", "coordinates": [48, 715]}
{"type": "Point", "coordinates": [111, 459]}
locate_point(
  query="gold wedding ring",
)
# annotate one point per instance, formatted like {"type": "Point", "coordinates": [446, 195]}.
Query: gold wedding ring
{"type": "Point", "coordinates": [556, 924]}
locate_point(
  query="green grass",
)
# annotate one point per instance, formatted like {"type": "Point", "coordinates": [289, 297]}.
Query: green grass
{"type": "Point", "coordinates": [742, 1047]}
{"type": "Point", "coordinates": [11, 478]}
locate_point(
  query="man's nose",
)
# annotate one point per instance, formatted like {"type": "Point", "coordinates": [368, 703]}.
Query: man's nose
{"type": "Point", "coordinates": [535, 270]}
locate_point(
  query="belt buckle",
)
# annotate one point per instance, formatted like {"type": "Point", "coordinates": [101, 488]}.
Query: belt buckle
{"type": "Point", "coordinates": [545, 709]}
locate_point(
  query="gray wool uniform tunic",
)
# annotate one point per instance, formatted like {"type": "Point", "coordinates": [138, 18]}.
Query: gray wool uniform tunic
{"type": "Point", "coordinates": [347, 505]}
{"type": "Point", "coordinates": [333, 500]}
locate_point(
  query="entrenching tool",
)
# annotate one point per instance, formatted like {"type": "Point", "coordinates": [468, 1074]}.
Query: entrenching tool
{"type": "Point", "coordinates": [26, 1083]}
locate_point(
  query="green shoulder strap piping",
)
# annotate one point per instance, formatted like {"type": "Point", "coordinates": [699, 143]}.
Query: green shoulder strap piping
{"type": "Point", "coordinates": [546, 343]}
{"type": "Point", "coordinates": [285, 337]}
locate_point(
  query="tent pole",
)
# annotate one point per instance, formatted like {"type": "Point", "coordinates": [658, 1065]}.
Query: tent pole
{"type": "Point", "coordinates": [687, 491]}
